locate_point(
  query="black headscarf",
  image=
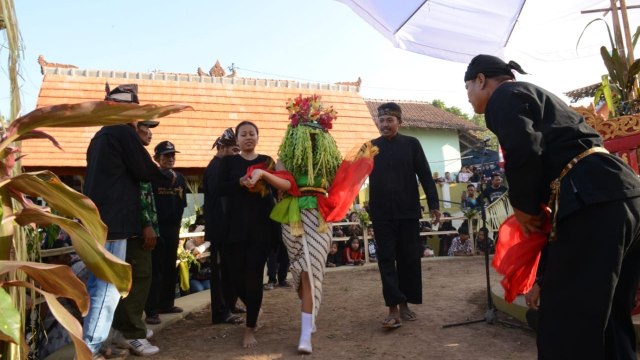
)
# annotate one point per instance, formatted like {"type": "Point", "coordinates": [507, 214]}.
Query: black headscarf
{"type": "Point", "coordinates": [491, 66]}
{"type": "Point", "coordinates": [228, 138]}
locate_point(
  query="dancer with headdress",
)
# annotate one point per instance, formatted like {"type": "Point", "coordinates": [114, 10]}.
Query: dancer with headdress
{"type": "Point", "coordinates": [320, 188]}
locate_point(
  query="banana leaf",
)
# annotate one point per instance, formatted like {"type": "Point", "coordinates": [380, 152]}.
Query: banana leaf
{"type": "Point", "coordinates": [65, 200]}
{"type": "Point", "coordinates": [68, 321]}
{"type": "Point", "coordinates": [58, 280]}
{"type": "Point", "coordinates": [10, 319]}
{"type": "Point", "coordinates": [92, 113]}
{"type": "Point", "coordinates": [102, 263]}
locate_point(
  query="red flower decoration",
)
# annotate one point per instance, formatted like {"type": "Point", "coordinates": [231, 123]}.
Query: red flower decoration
{"type": "Point", "coordinates": [309, 110]}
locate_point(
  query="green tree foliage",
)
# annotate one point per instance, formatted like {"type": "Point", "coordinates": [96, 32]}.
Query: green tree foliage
{"type": "Point", "coordinates": [477, 119]}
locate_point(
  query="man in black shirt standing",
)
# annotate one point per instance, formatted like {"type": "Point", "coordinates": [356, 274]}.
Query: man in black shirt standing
{"type": "Point", "coordinates": [170, 203]}
{"type": "Point", "coordinates": [116, 164]}
{"type": "Point", "coordinates": [494, 190]}
{"type": "Point", "coordinates": [395, 212]}
{"type": "Point", "coordinates": [593, 256]}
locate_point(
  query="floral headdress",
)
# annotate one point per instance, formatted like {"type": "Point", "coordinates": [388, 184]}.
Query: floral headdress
{"type": "Point", "coordinates": [307, 148]}
{"type": "Point", "coordinates": [310, 112]}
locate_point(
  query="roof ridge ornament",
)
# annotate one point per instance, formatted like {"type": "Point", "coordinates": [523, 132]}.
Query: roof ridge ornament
{"type": "Point", "coordinates": [44, 63]}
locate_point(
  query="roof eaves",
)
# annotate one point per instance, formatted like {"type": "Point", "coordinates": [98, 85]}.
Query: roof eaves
{"type": "Point", "coordinates": [198, 78]}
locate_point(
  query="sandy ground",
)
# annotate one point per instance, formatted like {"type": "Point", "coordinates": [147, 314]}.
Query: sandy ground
{"type": "Point", "coordinates": [350, 317]}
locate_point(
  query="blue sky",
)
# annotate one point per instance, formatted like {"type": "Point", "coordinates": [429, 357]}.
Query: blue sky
{"type": "Point", "coordinates": [306, 40]}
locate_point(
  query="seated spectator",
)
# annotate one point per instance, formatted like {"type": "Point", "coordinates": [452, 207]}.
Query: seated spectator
{"type": "Point", "coordinates": [445, 239]}
{"type": "Point", "coordinates": [469, 198]}
{"type": "Point", "coordinates": [353, 229]}
{"type": "Point", "coordinates": [53, 335]}
{"type": "Point", "coordinates": [428, 252]}
{"type": "Point", "coordinates": [372, 244]}
{"type": "Point", "coordinates": [461, 246]}
{"type": "Point", "coordinates": [199, 276]}
{"type": "Point", "coordinates": [476, 177]}
{"type": "Point", "coordinates": [448, 178]}
{"type": "Point", "coordinates": [464, 175]}
{"type": "Point", "coordinates": [333, 257]}
{"type": "Point", "coordinates": [353, 254]}
{"type": "Point", "coordinates": [337, 232]}
{"type": "Point", "coordinates": [483, 241]}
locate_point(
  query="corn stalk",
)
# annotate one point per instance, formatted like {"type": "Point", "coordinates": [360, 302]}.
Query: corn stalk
{"type": "Point", "coordinates": [12, 240]}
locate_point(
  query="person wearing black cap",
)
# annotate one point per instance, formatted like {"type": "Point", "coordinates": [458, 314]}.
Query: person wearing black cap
{"type": "Point", "coordinates": [116, 164]}
{"type": "Point", "coordinates": [170, 204]}
{"type": "Point", "coordinates": [223, 295]}
{"type": "Point", "coordinates": [128, 326]}
{"type": "Point", "coordinates": [395, 212]}
{"type": "Point", "coordinates": [591, 272]}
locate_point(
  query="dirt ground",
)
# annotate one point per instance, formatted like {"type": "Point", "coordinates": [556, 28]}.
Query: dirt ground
{"type": "Point", "coordinates": [349, 322]}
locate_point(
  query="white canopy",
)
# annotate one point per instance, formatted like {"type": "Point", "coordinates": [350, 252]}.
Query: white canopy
{"type": "Point", "coordinates": [457, 30]}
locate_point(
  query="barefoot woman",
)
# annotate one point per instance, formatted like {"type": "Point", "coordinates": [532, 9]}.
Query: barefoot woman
{"type": "Point", "coordinates": [311, 157]}
{"type": "Point", "coordinates": [249, 232]}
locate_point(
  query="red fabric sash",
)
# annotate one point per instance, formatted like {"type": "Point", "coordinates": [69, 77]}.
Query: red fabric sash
{"type": "Point", "coordinates": [517, 257]}
{"type": "Point", "coordinates": [260, 186]}
{"type": "Point", "coordinates": [343, 190]}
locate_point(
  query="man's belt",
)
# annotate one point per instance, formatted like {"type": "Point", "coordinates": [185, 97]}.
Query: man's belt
{"type": "Point", "coordinates": [312, 191]}
{"type": "Point", "coordinates": [554, 199]}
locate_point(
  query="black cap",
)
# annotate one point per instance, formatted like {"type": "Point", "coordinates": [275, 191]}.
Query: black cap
{"type": "Point", "coordinates": [148, 123]}
{"type": "Point", "coordinates": [165, 147]}
{"type": "Point", "coordinates": [123, 93]}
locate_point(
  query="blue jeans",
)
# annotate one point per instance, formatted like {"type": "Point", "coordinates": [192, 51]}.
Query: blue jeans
{"type": "Point", "coordinates": [199, 285]}
{"type": "Point", "coordinates": [104, 298]}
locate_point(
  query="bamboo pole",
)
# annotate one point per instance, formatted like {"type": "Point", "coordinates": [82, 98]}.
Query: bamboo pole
{"type": "Point", "coordinates": [627, 37]}
{"type": "Point", "coordinates": [616, 29]}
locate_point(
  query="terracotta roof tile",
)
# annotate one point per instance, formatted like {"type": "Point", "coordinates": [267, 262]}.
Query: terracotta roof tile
{"type": "Point", "coordinates": [219, 103]}
{"type": "Point", "coordinates": [425, 116]}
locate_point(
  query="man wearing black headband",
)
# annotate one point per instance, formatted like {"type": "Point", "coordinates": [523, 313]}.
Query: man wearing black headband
{"type": "Point", "coordinates": [394, 202]}
{"type": "Point", "coordinates": [223, 295]}
{"type": "Point", "coordinates": [593, 259]}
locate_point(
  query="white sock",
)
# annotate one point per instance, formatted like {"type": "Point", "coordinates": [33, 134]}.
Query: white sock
{"type": "Point", "coordinates": [306, 326]}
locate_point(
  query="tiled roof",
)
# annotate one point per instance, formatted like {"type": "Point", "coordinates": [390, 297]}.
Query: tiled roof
{"type": "Point", "coordinates": [583, 92]}
{"type": "Point", "coordinates": [423, 115]}
{"type": "Point", "coordinates": [219, 103]}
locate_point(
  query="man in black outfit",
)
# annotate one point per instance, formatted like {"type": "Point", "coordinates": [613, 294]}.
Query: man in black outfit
{"type": "Point", "coordinates": [493, 192]}
{"type": "Point", "coordinates": [116, 164]}
{"type": "Point", "coordinates": [395, 212]}
{"type": "Point", "coordinates": [170, 203]}
{"type": "Point", "coordinates": [593, 257]}
{"type": "Point", "coordinates": [223, 294]}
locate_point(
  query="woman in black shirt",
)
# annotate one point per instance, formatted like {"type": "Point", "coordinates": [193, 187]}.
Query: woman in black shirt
{"type": "Point", "coordinates": [248, 232]}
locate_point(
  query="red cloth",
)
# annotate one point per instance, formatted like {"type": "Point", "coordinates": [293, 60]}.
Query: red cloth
{"type": "Point", "coordinates": [344, 188]}
{"type": "Point", "coordinates": [517, 257]}
{"type": "Point", "coordinates": [281, 174]}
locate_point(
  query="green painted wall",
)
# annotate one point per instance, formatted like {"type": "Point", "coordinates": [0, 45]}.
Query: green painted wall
{"type": "Point", "coordinates": [441, 146]}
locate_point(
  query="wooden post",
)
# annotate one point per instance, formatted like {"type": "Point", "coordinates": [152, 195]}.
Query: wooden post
{"type": "Point", "coordinates": [627, 37]}
{"type": "Point", "coordinates": [616, 29]}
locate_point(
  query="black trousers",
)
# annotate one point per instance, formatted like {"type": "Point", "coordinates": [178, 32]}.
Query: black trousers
{"type": "Point", "coordinates": [399, 253]}
{"type": "Point", "coordinates": [164, 272]}
{"type": "Point", "coordinates": [223, 295]}
{"type": "Point", "coordinates": [278, 264]}
{"type": "Point", "coordinates": [247, 272]}
{"type": "Point", "coordinates": [589, 284]}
